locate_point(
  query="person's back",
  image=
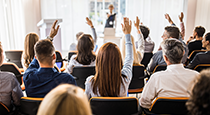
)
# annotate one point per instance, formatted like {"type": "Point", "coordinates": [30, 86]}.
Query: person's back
{"type": "Point", "coordinates": [175, 81]}
{"type": "Point", "coordinates": [195, 45]}
{"type": "Point", "coordinates": [41, 76]}
{"type": "Point", "coordinates": [202, 57]}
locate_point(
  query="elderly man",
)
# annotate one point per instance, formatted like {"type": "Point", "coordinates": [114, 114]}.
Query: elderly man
{"type": "Point", "coordinates": [175, 81]}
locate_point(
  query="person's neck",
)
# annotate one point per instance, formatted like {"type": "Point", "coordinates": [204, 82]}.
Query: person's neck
{"type": "Point", "coordinates": [110, 12]}
{"type": "Point", "coordinates": [208, 48]}
{"type": "Point", "coordinates": [198, 38]}
{"type": "Point", "coordinates": [46, 66]}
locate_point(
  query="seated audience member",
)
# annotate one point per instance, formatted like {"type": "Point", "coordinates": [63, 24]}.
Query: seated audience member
{"type": "Point", "coordinates": [41, 76]}
{"type": "Point", "coordinates": [174, 81]}
{"type": "Point", "coordinates": [10, 91]}
{"type": "Point", "coordinates": [112, 77]}
{"type": "Point", "coordinates": [197, 43]}
{"type": "Point", "coordinates": [85, 55]}
{"type": "Point", "coordinates": [28, 53]}
{"type": "Point", "coordinates": [73, 46]}
{"type": "Point", "coordinates": [202, 57]}
{"type": "Point", "coordinates": [138, 55]}
{"type": "Point", "coordinates": [199, 102]}
{"type": "Point", "coordinates": [30, 41]}
{"type": "Point", "coordinates": [157, 59]}
{"type": "Point", "coordinates": [65, 100]}
{"type": "Point", "coordinates": [149, 44]}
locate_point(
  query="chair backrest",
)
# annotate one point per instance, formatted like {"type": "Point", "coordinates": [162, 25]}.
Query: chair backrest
{"type": "Point", "coordinates": [138, 77]}
{"type": "Point", "coordinates": [14, 56]}
{"type": "Point", "coordinates": [146, 59]}
{"type": "Point", "coordinates": [81, 73]}
{"type": "Point", "coordinates": [200, 67]}
{"type": "Point", "coordinates": [59, 59]}
{"type": "Point", "coordinates": [70, 54]}
{"type": "Point", "coordinates": [169, 105]}
{"type": "Point", "coordinates": [11, 67]}
{"type": "Point", "coordinates": [159, 68]}
{"type": "Point", "coordinates": [193, 53]}
{"type": "Point", "coordinates": [30, 106]}
{"type": "Point", "coordinates": [114, 105]}
{"type": "Point", "coordinates": [4, 109]}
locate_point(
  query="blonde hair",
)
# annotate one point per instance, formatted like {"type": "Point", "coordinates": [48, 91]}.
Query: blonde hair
{"type": "Point", "coordinates": [28, 54]}
{"type": "Point", "coordinates": [65, 99]}
{"type": "Point", "coordinates": [136, 54]}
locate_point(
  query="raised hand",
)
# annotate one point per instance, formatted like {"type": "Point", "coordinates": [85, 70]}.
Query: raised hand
{"type": "Point", "coordinates": [181, 16]}
{"type": "Point", "coordinates": [54, 30]}
{"type": "Point", "coordinates": [168, 18]}
{"type": "Point", "coordinates": [89, 22]}
{"type": "Point", "coordinates": [126, 27]}
{"type": "Point", "coordinates": [136, 24]}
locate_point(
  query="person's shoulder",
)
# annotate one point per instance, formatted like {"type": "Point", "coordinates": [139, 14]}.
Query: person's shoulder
{"type": "Point", "coordinates": [65, 75]}
{"type": "Point", "coordinates": [88, 79]}
{"type": "Point", "coordinates": [7, 75]}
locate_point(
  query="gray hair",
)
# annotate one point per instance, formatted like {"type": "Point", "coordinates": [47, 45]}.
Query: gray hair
{"type": "Point", "coordinates": [173, 49]}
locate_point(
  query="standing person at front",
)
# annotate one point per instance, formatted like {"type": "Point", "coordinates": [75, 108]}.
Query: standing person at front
{"type": "Point", "coordinates": [112, 77]}
{"type": "Point", "coordinates": [111, 18]}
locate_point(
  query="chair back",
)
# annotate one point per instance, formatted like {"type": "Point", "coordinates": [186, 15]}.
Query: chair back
{"type": "Point", "coordinates": [169, 105]}
{"type": "Point", "coordinates": [159, 68]}
{"type": "Point", "coordinates": [70, 54]}
{"type": "Point", "coordinates": [29, 106]}
{"type": "Point", "coordinates": [114, 105]}
{"type": "Point", "coordinates": [146, 59]}
{"type": "Point", "coordinates": [14, 56]}
{"type": "Point", "coordinates": [137, 81]}
{"type": "Point", "coordinates": [81, 73]}
{"type": "Point", "coordinates": [4, 110]}
{"type": "Point", "coordinates": [200, 67]}
{"type": "Point", "coordinates": [11, 67]}
{"type": "Point", "coordinates": [193, 53]}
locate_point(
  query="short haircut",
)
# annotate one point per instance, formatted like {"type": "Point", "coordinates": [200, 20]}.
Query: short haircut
{"type": "Point", "coordinates": [111, 6]}
{"type": "Point", "coordinates": [172, 31]}
{"type": "Point", "coordinates": [200, 31]}
{"type": "Point", "coordinates": [207, 36]}
{"type": "Point", "coordinates": [145, 31]}
{"type": "Point", "coordinates": [44, 51]}
{"type": "Point", "coordinates": [173, 49]}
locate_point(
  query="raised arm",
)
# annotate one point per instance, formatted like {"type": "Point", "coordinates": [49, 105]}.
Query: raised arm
{"type": "Point", "coordinates": [141, 45]}
{"type": "Point", "coordinates": [53, 31]}
{"type": "Point", "coordinates": [181, 16]}
{"type": "Point", "coordinates": [127, 67]}
{"type": "Point", "coordinates": [89, 22]}
{"type": "Point", "coordinates": [169, 19]}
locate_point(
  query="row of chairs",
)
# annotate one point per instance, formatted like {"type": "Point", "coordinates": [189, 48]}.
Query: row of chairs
{"type": "Point", "coordinates": [112, 106]}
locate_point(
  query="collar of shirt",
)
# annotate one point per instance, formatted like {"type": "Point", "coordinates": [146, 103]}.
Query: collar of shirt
{"type": "Point", "coordinates": [45, 70]}
{"type": "Point", "coordinates": [174, 66]}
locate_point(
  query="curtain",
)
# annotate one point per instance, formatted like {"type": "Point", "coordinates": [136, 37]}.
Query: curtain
{"type": "Point", "coordinates": [151, 13]}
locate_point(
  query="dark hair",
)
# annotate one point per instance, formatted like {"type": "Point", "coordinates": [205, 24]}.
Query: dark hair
{"type": "Point", "coordinates": [44, 51]}
{"type": "Point", "coordinates": [78, 35]}
{"type": "Point", "coordinates": [173, 49]}
{"type": "Point", "coordinates": [200, 31]}
{"type": "Point", "coordinates": [145, 31]}
{"type": "Point", "coordinates": [172, 31]}
{"type": "Point", "coordinates": [207, 37]}
{"type": "Point", "coordinates": [108, 78]}
{"type": "Point", "coordinates": [199, 102]}
{"type": "Point", "coordinates": [85, 47]}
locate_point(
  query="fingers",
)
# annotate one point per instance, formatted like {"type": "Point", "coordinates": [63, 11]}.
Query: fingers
{"type": "Point", "coordinates": [53, 26]}
{"type": "Point", "coordinates": [57, 27]}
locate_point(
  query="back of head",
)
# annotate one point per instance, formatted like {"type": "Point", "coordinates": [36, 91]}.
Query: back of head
{"type": "Point", "coordinates": [207, 37]}
{"type": "Point", "coordinates": [108, 78]}
{"type": "Point", "coordinates": [78, 35]}
{"type": "Point", "coordinates": [135, 53]}
{"type": "Point", "coordinates": [44, 51]}
{"type": "Point", "coordinates": [173, 49]}
{"type": "Point", "coordinates": [172, 32]}
{"type": "Point", "coordinates": [199, 102]}
{"type": "Point", "coordinates": [85, 49]}
{"type": "Point", "coordinates": [1, 54]}
{"type": "Point", "coordinates": [65, 99]}
{"type": "Point", "coordinates": [28, 54]}
{"type": "Point", "coordinates": [200, 31]}
{"type": "Point", "coordinates": [145, 31]}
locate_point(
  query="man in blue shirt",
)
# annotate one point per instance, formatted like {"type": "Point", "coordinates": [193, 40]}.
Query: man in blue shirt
{"type": "Point", "coordinates": [41, 76]}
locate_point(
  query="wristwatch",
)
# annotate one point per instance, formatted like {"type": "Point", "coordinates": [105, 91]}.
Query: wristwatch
{"type": "Point", "coordinates": [51, 39]}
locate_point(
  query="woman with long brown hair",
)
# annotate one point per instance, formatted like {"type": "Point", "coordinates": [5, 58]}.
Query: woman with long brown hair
{"type": "Point", "coordinates": [28, 53]}
{"type": "Point", "coordinates": [112, 78]}
{"type": "Point", "coordinates": [85, 55]}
